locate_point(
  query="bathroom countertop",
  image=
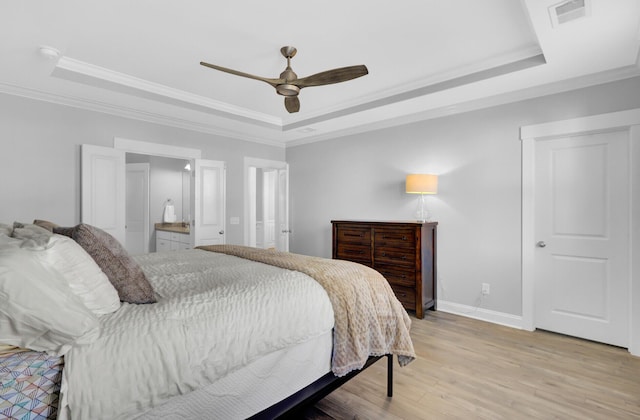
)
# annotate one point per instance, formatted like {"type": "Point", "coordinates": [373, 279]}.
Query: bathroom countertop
{"type": "Point", "coordinates": [177, 227]}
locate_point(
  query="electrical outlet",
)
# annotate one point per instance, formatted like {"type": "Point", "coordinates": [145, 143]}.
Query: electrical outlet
{"type": "Point", "coordinates": [486, 289]}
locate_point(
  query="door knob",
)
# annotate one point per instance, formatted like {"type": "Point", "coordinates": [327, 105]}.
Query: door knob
{"type": "Point", "coordinates": [221, 232]}
{"type": "Point", "coordinates": [541, 244]}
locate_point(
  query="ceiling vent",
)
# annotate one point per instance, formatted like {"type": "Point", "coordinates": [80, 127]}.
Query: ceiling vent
{"type": "Point", "coordinates": [569, 10]}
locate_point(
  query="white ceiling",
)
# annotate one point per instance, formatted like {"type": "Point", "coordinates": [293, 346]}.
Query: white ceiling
{"type": "Point", "coordinates": [426, 58]}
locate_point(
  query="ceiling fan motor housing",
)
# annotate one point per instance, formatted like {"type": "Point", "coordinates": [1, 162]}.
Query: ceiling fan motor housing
{"type": "Point", "coordinates": [287, 90]}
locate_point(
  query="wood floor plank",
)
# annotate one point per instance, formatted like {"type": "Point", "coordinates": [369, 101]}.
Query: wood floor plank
{"type": "Point", "coordinates": [473, 369]}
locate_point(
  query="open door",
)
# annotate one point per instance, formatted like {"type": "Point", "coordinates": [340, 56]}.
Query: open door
{"type": "Point", "coordinates": [208, 202]}
{"type": "Point", "coordinates": [137, 208]}
{"type": "Point", "coordinates": [256, 195]}
{"type": "Point", "coordinates": [103, 189]}
{"type": "Point", "coordinates": [283, 210]}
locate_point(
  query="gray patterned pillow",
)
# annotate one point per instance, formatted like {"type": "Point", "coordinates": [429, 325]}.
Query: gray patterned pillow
{"type": "Point", "coordinates": [62, 230]}
{"type": "Point", "coordinates": [123, 272]}
{"type": "Point", "coordinates": [45, 224]}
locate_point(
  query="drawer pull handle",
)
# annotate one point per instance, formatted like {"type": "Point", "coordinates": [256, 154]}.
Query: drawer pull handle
{"type": "Point", "coordinates": [360, 235]}
{"type": "Point", "coordinates": [404, 257]}
{"type": "Point", "coordinates": [353, 251]}
{"type": "Point", "coordinates": [404, 237]}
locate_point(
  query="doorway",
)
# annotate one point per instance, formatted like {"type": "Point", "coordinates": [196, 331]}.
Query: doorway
{"type": "Point", "coordinates": [103, 188]}
{"type": "Point", "coordinates": [267, 204]}
{"type": "Point", "coordinates": [166, 179]}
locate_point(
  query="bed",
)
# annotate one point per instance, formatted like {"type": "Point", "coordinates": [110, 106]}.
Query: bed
{"type": "Point", "coordinates": [220, 331]}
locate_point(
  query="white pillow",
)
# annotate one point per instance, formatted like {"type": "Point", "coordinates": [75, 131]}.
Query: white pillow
{"type": "Point", "coordinates": [33, 237]}
{"type": "Point", "coordinates": [39, 311]}
{"type": "Point", "coordinates": [84, 276]}
{"type": "Point", "coordinates": [8, 242]}
{"type": "Point", "coordinates": [6, 229]}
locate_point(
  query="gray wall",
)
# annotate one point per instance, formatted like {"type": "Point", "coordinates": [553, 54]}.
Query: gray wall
{"type": "Point", "coordinates": [478, 158]}
{"type": "Point", "coordinates": [40, 158]}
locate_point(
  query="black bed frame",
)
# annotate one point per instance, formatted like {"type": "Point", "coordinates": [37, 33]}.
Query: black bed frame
{"type": "Point", "coordinates": [293, 406]}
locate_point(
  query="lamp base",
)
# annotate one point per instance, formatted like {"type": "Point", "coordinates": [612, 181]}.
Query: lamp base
{"type": "Point", "coordinates": [421, 213]}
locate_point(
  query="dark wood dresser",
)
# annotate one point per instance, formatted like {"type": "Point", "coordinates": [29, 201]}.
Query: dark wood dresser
{"type": "Point", "coordinates": [403, 252]}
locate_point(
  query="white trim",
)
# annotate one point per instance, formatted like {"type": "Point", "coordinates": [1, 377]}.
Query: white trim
{"type": "Point", "coordinates": [634, 293]}
{"type": "Point", "coordinates": [629, 121]}
{"type": "Point", "coordinates": [575, 126]}
{"type": "Point", "coordinates": [528, 233]}
{"type": "Point", "coordinates": [79, 71]}
{"type": "Point", "coordinates": [156, 149]}
{"type": "Point", "coordinates": [162, 118]}
{"type": "Point", "coordinates": [501, 318]}
{"type": "Point", "coordinates": [218, 125]}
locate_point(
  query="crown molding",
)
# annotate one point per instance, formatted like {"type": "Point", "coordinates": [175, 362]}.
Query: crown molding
{"type": "Point", "coordinates": [488, 102]}
{"type": "Point", "coordinates": [214, 129]}
{"type": "Point", "coordinates": [79, 71]}
{"type": "Point", "coordinates": [507, 63]}
{"type": "Point", "coordinates": [131, 113]}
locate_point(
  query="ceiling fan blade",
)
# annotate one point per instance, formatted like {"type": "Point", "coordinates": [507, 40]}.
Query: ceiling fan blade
{"type": "Point", "coordinates": [332, 76]}
{"type": "Point", "coordinates": [272, 82]}
{"type": "Point", "coordinates": [292, 103]}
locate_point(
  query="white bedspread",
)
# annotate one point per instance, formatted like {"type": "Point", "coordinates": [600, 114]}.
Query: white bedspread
{"type": "Point", "coordinates": [215, 313]}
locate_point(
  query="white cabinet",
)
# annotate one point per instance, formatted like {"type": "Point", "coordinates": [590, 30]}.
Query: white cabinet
{"type": "Point", "coordinates": [171, 241]}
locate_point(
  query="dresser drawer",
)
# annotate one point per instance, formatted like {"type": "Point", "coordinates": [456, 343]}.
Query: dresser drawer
{"type": "Point", "coordinates": [398, 256]}
{"type": "Point", "coordinates": [398, 276]}
{"type": "Point", "coordinates": [406, 296]}
{"type": "Point", "coordinates": [353, 252]}
{"type": "Point", "coordinates": [354, 235]}
{"type": "Point", "coordinates": [403, 252]}
{"type": "Point", "coordinates": [395, 238]}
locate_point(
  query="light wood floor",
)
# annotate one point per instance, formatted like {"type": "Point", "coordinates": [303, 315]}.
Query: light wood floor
{"type": "Point", "coordinates": [469, 369]}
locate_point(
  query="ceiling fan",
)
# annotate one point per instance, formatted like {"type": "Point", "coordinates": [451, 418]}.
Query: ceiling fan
{"type": "Point", "coordinates": [288, 85]}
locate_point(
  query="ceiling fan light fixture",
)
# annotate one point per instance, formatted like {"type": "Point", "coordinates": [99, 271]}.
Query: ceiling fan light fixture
{"type": "Point", "coordinates": [288, 90]}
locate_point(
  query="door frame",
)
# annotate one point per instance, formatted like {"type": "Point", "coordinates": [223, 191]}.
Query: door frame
{"type": "Point", "coordinates": [628, 121]}
{"type": "Point", "coordinates": [156, 149]}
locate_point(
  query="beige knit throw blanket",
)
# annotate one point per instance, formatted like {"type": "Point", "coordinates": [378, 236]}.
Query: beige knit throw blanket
{"type": "Point", "coordinates": [369, 319]}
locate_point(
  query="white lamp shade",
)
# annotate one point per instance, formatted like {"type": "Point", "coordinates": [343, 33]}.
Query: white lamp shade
{"type": "Point", "coordinates": [422, 184]}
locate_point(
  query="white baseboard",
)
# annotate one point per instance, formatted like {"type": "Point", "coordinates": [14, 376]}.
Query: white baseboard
{"type": "Point", "coordinates": [509, 320]}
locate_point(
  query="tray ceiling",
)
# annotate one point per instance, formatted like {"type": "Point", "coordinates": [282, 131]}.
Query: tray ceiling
{"type": "Point", "coordinates": [425, 58]}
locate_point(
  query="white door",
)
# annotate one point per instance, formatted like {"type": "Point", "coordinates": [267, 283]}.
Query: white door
{"type": "Point", "coordinates": [137, 204]}
{"type": "Point", "coordinates": [269, 195]}
{"type": "Point", "coordinates": [279, 196]}
{"type": "Point", "coordinates": [103, 189]}
{"type": "Point", "coordinates": [209, 202]}
{"type": "Point", "coordinates": [283, 210]}
{"type": "Point", "coordinates": [582, 236]}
